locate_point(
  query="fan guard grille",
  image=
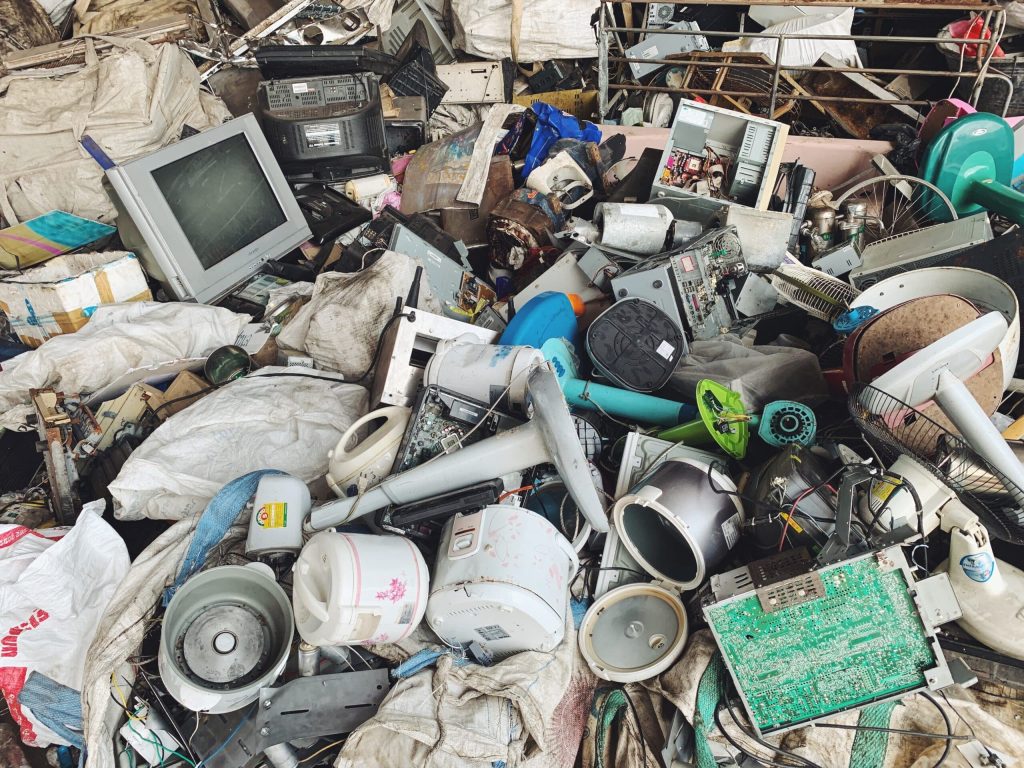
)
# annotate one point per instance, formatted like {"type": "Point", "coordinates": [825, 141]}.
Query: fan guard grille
{"type": "Point", "coordinates": [895, 428]}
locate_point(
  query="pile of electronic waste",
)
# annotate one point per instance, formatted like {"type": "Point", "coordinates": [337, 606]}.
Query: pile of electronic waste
{"type": "Point", "coordinates": [622, 400]}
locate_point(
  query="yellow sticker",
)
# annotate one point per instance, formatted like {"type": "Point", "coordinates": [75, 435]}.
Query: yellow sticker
{"type": "Point", "coordinates": [273, 515]}
{"type": "Point", "coordinates": [882, 489]}
{"type": "Point", "coordinates": [792, 522]}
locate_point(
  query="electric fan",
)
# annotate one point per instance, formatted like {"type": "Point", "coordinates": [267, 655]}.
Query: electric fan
{"type": "Point", "coordinates": [818, 294]}
{"type": "Point", "coordinates": [940, 480]}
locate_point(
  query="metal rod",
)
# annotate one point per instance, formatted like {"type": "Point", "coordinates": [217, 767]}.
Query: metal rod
{"type": "Point", "coordinates": [779, 47]}
{"type": "Point", "coordinates": [764, 95]}
{"type": "Point", "coordinates": [602, 64]}
{"type": "Point", "coordinates": [811, 36]}
{"type": "Point", "coordinates": [767, 65]}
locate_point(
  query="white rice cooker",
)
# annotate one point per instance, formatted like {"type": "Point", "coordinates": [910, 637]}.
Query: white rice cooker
{"type": "Point", "coordinates": [357, 588]}
{"type": "Point", "coordinates": [501, 582]}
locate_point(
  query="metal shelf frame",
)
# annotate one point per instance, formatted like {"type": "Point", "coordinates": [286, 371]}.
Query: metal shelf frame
{"type": "Point", "coordinates": [608, 38]}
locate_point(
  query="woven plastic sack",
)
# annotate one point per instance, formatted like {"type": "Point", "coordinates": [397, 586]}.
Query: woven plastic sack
{"type": "Point", "coordinates": [805, 52]}
{"type": "Point", "coordinates": [286, 419]}
{"type": "Point", "coordinates": [118, 338]}
{"type": "Point", "coordinates": [527, 30]}
{"type": "Point", "coordinates": [131, 102]}
{"type": "Point", "coordinates": [343, 321]}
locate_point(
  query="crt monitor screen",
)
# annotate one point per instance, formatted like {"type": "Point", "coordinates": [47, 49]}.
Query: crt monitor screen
{"type": "Point", "coordinates": [221, 199]}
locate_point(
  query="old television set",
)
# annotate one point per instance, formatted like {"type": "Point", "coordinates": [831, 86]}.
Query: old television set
{"type": "Point", "coordinates": [205, 214]}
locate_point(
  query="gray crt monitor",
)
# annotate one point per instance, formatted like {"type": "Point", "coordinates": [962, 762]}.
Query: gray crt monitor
{"type": "Point", "coordinates": [204, 214]}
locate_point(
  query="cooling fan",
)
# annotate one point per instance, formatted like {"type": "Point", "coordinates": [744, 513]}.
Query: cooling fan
{"type": "Point", "coordinates": [818, 294]}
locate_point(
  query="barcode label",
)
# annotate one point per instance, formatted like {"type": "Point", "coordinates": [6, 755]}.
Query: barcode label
{"type": "Point", "coordinates": [493, 632]}
{"type": "Point", "coordinates": [322, 135]}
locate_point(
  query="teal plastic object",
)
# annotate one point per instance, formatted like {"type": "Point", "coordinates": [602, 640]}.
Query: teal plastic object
{"type": "Point", "coordinates": [784, 422]}
{"type": "Point", "coordinates": [620, 403]}
{"type": "Point", "coordinates": [971, 161]}
{"type": "Point", "coordinates": [548, 315]}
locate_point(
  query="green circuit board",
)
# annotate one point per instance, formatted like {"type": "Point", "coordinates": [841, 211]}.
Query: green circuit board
{"type": "Point", "coordinates": [861, 641]}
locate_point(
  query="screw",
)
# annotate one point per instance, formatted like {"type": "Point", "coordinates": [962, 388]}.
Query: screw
{"type": "Point", "coordinates": [264, 731]}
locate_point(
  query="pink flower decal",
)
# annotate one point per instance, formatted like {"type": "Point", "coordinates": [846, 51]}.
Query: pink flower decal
{"type": "Point", "coordinates": [394, 593]}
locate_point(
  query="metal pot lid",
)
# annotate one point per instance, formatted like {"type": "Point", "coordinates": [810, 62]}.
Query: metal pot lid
{"type": "Point", "coordinates": [225, 644]}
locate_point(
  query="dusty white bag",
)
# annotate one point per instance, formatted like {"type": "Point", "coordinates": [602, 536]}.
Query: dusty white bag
{"type": "Point", "coordinates": [132, 101]}
{"type": "Point", "coordinates": [343, 320]}
{"type": "Point", "coordinates": [797, 53]}
{"type": "Point", "coordinates": [117, 339]}
{"type": "Point", "coordinates": [53, 594]}
{"type": "Point", "coordinates": [287, 422]}
{"type": "Point", "coordinates": [543, 29]}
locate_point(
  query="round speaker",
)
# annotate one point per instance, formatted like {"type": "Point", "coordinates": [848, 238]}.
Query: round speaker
{"type": "Point", "coordinates": [633, 633]}
{"type": "Point", "coordinates": [226, 634]}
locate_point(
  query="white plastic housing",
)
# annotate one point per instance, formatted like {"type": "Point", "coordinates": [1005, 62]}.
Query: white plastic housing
{"type": "Point", "coordinates": [281, 505]}
{"type": "Point", "coordinates": [364, 465]}
{"type": "Point", "coordinates": [356, 589]}
{"type": "Point", "coordinates": [501, 581]}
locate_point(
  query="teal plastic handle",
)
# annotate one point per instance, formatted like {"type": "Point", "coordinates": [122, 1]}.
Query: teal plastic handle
{"type": "Point", "coordinates": [998, 198]}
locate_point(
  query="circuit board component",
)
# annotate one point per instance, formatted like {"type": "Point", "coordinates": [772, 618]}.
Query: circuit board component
{"type": "Point", "coordinates": [861, 640]}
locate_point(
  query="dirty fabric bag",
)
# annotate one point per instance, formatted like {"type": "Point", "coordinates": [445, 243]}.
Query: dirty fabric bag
{"type": "Point", "coordinates": [343, 321]}
{"type": "Point", "coordinates": [97, 17]}
{"type": "Point", "coordinates": [528, 710]}
{"type": "Point", "coordinates": [283, 418]}
{"type": "Point", "coordinates": [117, 339]}
{"type": "Point", "coordinates": [524, 29]}
{"type": "Point", "coordinates": [133, 101]}
{"type": "Point", "coordinates": [53, 593]}
{"type": "Point", "coordinates": [760, 374]}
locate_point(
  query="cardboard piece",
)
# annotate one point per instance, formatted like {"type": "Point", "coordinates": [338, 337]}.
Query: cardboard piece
{"type": "Point", "coordinates": [185, 384]}
{"type": "Point", "coordinates": [114, 415]}
{"type": "Point", "coordinates": [61, 295]}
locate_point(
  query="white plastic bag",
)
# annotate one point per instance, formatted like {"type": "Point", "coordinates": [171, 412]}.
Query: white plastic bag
{"type": "Point", "coordinates": [118, 338]}
{"type": "Point", "coordinates": [265, 421]}
{"type": "Point", "coordinates": [53, 593]}
{"type": "Point", "coordinates": [549, 29]}
{"type": "Point", "coordinates": [797, 53]}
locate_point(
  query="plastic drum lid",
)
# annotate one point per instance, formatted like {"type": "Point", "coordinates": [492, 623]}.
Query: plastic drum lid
{"type": "Point", "coordinates": [633, 633]}
{"type": "Point", "coordinates": [635, 344]}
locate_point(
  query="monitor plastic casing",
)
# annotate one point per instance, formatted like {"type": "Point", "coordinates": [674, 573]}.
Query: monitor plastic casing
{"type": "Point", "coordinates": [149, 228]}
